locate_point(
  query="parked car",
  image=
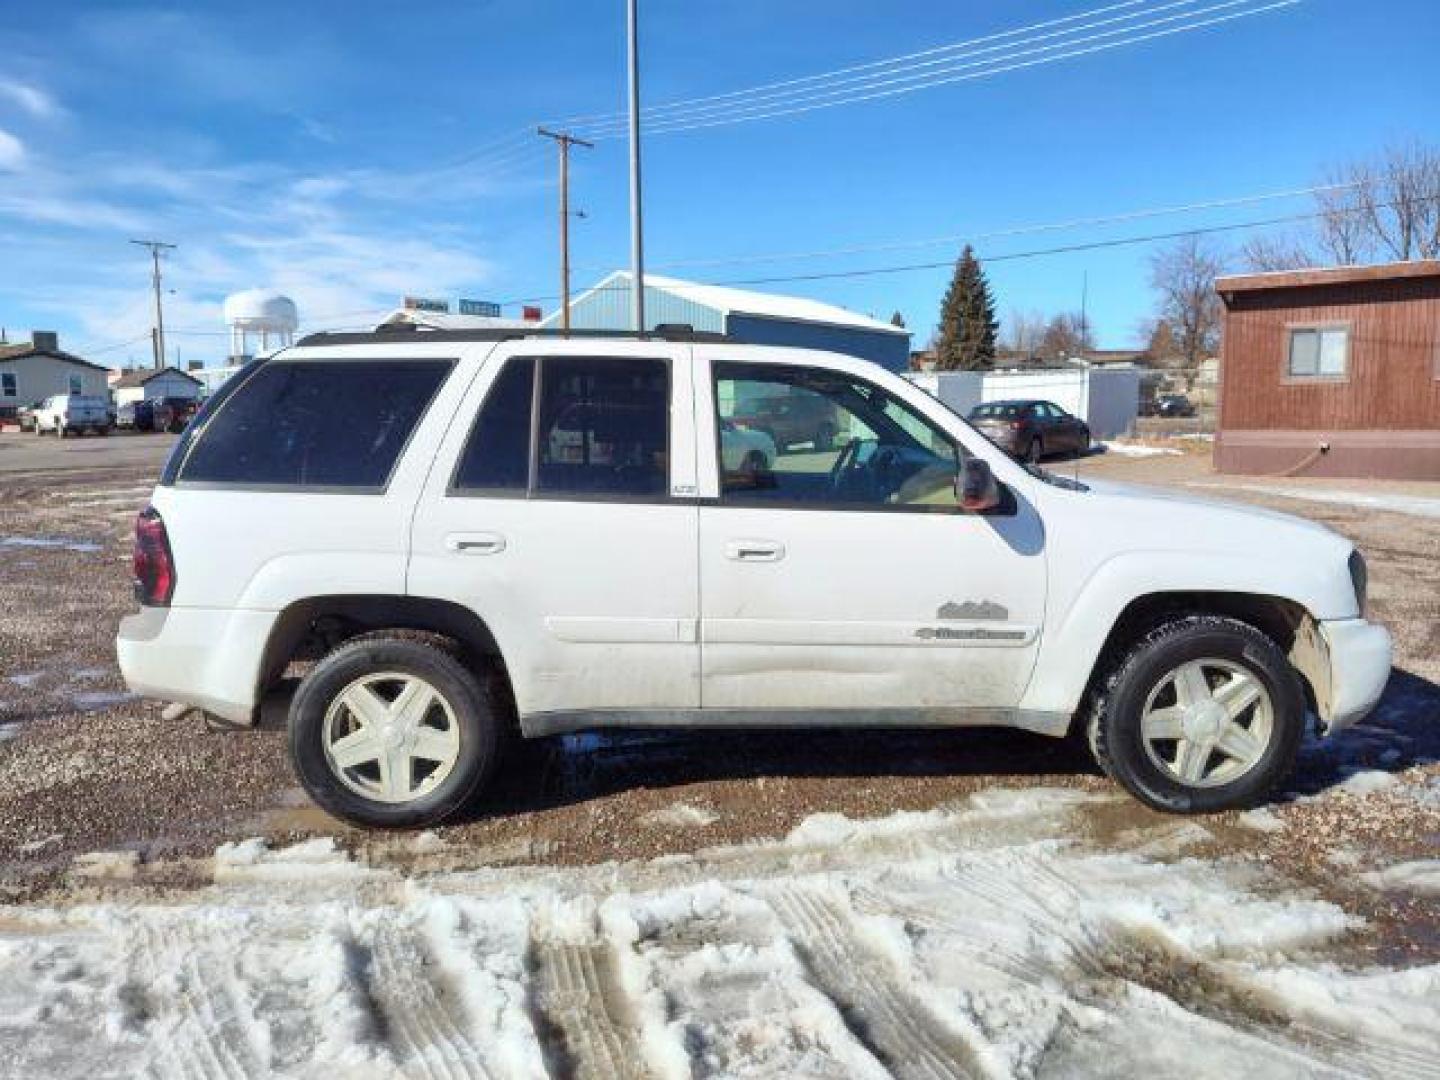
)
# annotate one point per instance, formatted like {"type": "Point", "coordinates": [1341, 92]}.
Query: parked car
{"type": "Point", "coordinates": [457, 575]}
{"type": "Point", "coordinates": [1031, 430]}
{"type": "Point", "coordinates": [66, 414]}
{"type": "Point", "coordinates": [172, 413]}
{"type": "Point", "coordinates": [791, 420]}
{"type": "Point", "coordinates": [25, 415]}
{"type": "Point", "coordinates": [136, 415]}
{"type": "Point", "coordinates": [1174, 405]}
{"type": "Point", "coordinates": [744, 451]}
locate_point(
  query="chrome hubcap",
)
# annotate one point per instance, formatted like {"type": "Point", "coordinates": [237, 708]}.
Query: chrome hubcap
{"type": "Point", "coordinates": [391, 737]}
{"type": "Point", "coordinates": [1208, 722]}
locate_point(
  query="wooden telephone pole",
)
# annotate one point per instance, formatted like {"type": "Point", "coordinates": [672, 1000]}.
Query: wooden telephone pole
{"type": "Point", "coordinates": [157, 335]}
{"type": "Point", "coordinates": [564, 142]}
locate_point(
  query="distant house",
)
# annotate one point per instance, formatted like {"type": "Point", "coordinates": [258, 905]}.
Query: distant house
{"type": "Point", "coordinates": [34, 370]}
{"type": "Point", "coordinates": [1332, 372]}
{"type": "Point", "coordinates": [148, 383]}
{"type": "Point", "coordinates": [749, 317]}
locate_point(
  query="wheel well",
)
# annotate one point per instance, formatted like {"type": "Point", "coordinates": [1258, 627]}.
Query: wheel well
{"type": "Point", "coordinates": [308, 629]}
{"type": "Point", "coordinates": [1278, 619]}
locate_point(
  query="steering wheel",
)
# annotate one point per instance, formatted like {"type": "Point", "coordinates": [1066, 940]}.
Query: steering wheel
{"type": "Point", "coordinates": [847, 465]}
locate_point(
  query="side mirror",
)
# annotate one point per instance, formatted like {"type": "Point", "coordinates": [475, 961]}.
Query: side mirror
{"type": "Point", "coordinates": [975, 487]}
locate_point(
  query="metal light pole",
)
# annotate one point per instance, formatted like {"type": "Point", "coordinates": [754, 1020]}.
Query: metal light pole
{"type": "Point", "coordinates": [158, 341]}
{"type": "Point", "coordinates": [637, 241]}
{"type": "Point", "coordinates": [564, 141]}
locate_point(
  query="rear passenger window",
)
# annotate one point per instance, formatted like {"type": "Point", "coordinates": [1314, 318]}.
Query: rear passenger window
{"type": "Point", "coordinates": [320, 424]}
{"type": "Point", "coordinates": [497, 455]}
{"type": "Point", "coordinates": [604, 426]}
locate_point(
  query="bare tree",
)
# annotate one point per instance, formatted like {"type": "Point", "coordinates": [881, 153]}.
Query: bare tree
{"type": "Point", "coordinates": [1372, 211]}
{"type": "Point", "coordinates": [1183, 275]}
{"type": "Point", "coordinates": [1066, 335]}
{"type": "Point", "coordinates": [1265, 254]}
{"type": "Point", "coordinates": [1023, 332]}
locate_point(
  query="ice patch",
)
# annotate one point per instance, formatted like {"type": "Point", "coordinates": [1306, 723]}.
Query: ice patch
{"type": "Point", "coordinates": [95, 700]}
{"type": "Point", "coordinates": [49, 542]}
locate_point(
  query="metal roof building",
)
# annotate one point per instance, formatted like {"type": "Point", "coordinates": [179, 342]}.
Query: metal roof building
{"type": "Point", "coordinates": [749, 317]}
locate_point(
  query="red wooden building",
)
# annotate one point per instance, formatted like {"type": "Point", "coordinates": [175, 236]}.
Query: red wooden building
{"type": "Point", "coordinates": [1332, 372]}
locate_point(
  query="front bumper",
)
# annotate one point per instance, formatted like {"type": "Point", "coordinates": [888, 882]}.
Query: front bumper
{"type": "Point", "coordinates": [1359, 653]}
{"type": "Point", "coordinates": [202, 657]}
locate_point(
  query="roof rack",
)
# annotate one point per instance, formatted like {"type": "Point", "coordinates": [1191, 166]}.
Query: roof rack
{"type": "Point", "coordinates": [670, 332]}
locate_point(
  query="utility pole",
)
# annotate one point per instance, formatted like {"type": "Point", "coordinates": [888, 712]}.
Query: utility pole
{"type": "Point", "coordinates": [158, 338]}
{"type": "Point", "coordinates": [637, 242]}
{"type": "Point", "coordinates": [564, 141]}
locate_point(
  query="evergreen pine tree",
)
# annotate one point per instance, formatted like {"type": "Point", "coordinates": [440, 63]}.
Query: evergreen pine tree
{"type": "Point", "coordinates": [967, 319]}
{"type": "Point", "coordinates": [897, 320]}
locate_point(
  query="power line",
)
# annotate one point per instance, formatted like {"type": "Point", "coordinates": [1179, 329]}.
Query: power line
{"type": "Point", "coordinates": [1018, 230]}
{"type": "Point", "coordinates": [1065, 249]}
{"type": "Point", "coordinates": [952, 70]}
{"type": "Point", "coordinates": [655, 112]}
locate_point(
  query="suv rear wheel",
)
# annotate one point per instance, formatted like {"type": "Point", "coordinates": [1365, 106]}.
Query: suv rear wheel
{"type": "Point", "coordinates": [1203, 714]}
{"type": "Point", "coordinates": [393, 733]}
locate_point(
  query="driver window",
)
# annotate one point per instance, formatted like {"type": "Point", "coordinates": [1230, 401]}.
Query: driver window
{"type": "Point", "coordinates": [796, 435]}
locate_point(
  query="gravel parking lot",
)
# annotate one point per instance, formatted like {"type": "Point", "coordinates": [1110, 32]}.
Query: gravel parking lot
{"type": "Point", "coordinates": [87, 767]}
{"type": "Point", "coordinates": [970, 903]}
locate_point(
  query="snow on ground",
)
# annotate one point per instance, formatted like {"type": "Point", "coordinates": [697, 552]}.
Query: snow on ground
{"type": "Point", "coordinates": [1395, 503]}
{"type": "Point", "coordinates": [50, 542]}
{"type": "Point", "coordinates": [971, 941]}
{"type": "Point", "coordinates": [1138, 450]}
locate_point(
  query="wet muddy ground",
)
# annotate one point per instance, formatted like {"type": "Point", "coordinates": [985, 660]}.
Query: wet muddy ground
{"type": "Point", "coordinates": [84, 767]}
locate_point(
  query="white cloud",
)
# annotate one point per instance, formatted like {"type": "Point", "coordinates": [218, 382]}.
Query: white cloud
{"type": "Point", "coordinates": [30, 98]}
{"type": "Point", "coordinates": [12, 152]}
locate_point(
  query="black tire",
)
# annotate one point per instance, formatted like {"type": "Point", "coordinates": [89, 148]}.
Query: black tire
{"type": "Point", "coordinates": [478, 715]}
{"type": "Point", "coordinates": [1114, 721]}
{"type": "Point", "coordinates": [1035, 450]}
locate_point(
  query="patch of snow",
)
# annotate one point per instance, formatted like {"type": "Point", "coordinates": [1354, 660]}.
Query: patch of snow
{"type": "Point", "coordinates": [1367, 781]}
{"type": "Point", "coordinates": [50, 542]}
{"type": "Point", "coordinates": [112, 865]}
{"type": "Point", "coordinates": [680, 816]}
{"type": "Point", "coordinates": [1262, 819]}
{"type": "Point", "coordinates": [1413, 505]}
{"type": "Point", "coordinates": [34, 847]}
{"type": "Point", "coordinates": [26, 678]}
{"type": "Point", "coordinates": [9, 731]}
{"type": "Point", "coordinates": [1138, 450]}
{"type": "Point", "coordinates": [971, 940]}
{"type": "Point", "coordinates": [1422, 876]}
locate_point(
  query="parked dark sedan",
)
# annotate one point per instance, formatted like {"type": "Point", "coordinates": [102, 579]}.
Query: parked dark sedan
{"type": "Point", "coordinates": [1174, 405]}
{"type": "Point", "coordinates": [136, 416]}
{"type": "Point", "coordinates": [1029, 430]}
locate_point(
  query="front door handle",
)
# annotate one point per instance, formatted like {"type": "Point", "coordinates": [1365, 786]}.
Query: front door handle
{"type": "Point", "coordinates": [478, 543]}
{"type": "Point", "coordinates": [755, 550]}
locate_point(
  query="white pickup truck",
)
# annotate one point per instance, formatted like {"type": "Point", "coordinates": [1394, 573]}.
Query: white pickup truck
{"type": "Point", "coordinates": [66, 414]}
{"type": "Point", "coordinates": [478, 535]}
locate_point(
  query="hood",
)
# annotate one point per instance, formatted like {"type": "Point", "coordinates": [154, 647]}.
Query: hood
{"type": "Point", "coordinates": [1144, 515]}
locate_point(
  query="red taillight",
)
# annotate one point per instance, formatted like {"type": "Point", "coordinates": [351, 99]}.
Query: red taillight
{"type": "Point", "coordinates": [154, 566]}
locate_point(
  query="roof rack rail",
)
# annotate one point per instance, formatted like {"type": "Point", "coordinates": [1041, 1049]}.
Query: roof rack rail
{"type": "Point", "coordinates": [670, 332]}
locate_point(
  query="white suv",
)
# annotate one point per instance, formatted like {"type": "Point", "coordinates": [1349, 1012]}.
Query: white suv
{"type": "Point", "coordinates": [475, 535]}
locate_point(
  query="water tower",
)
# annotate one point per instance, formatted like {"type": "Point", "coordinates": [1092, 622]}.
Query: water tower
{"type": "Point", "coordinates": [260, 320]}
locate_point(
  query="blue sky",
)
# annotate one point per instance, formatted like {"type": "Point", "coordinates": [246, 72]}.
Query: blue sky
{"type": "Point", "coordinates": [339, 151]}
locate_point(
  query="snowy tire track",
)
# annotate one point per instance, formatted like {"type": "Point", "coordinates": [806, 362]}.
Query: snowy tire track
{"type": "Point", "coordinates": [890, 1020]}
{"type": "Point", "coordinates": [579, 998]}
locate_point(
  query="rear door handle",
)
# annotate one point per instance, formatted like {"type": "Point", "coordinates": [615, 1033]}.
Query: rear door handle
{"type": "Point", "coordinates": [755, 550]}
{"type": "Point", "coordinates": [480, 543]}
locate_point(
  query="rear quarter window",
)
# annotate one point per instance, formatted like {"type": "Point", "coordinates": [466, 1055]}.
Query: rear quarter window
{"type": "Point", "coordinates": [314, 424]}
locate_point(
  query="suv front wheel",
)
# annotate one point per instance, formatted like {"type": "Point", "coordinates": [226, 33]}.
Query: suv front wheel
{"type": "Point", "coordinates": [391, 732]}
{"type": "Point", "coordinates": [1203, 714]}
